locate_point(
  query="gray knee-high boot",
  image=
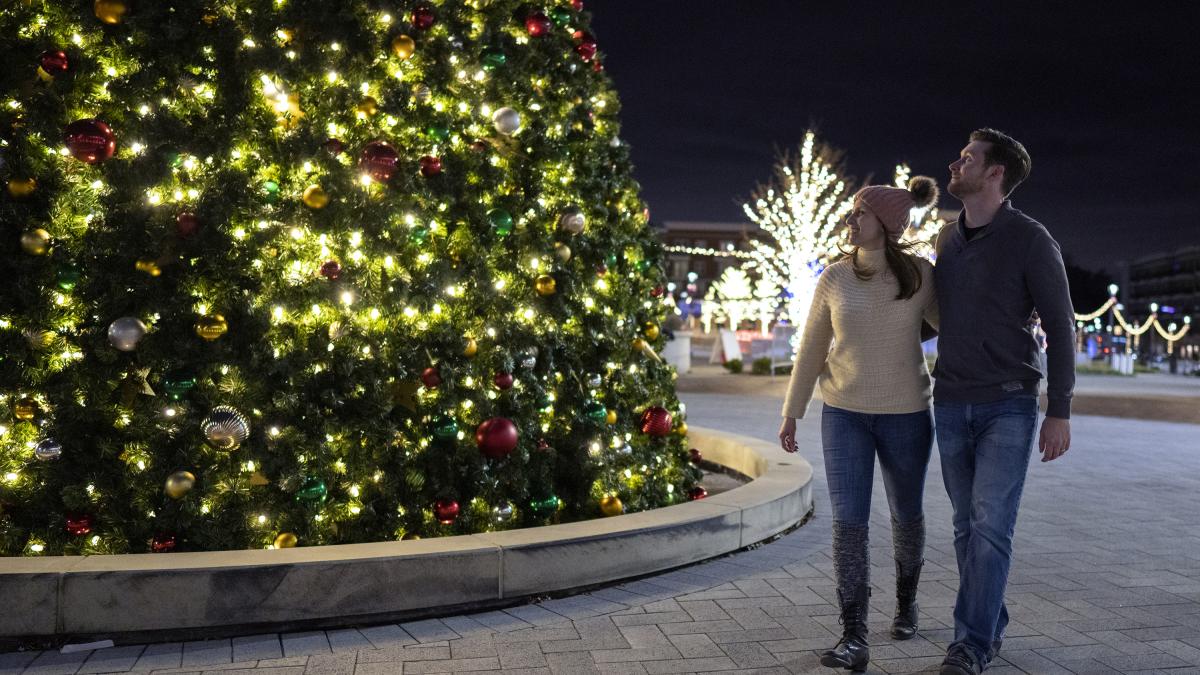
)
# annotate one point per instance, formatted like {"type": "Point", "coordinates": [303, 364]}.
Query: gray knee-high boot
{"type": "Point", "coordinates": [909, 542]}
{"type": "Point", "coordinates": [851, 565]}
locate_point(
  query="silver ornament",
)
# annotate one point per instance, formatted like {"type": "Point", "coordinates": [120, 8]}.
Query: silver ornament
{"type": "Point", "coordinates": [502, 512]}
{"type": "Point", "coordinates": [594, 381]}
{"type": "Point", "coordinates": [48, 449]}
{"type": "Point", "coordinates": [225, 428]}
{"type": "Point", "coordinates": [614, 142]}
{"type": "Point", "coordinates": [422, 93]}
{"type": "Point", "coordinates": [572, 220]}
{"type": "Point", "coordinates": [626, 449]}
{"type": "Point", "coordinates": [126, 332]}
{"type": "Point", "coordinates": [507, 121]}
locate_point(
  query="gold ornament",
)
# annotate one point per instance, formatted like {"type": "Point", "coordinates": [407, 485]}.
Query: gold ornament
{"type": "Point", "coordinates": [286, 540]}
{"type": "Point", "coordinates": [410, 536]}
{"type": "Point", "coordinates": [645, 348]}
{"type": "Point", "coordinates": [315, 197]}
{"type": "Point", "coordinates": [682, 430]}
{"type": "Point", "coordinates": [650, 330]}
{"type": "Point", "coordinates": [368, 107]}
{"type": "Point", "coordinates": [25, 409]}
{"type": "Point", "coordinates": [546, 285]}
{"type": "Point", "coordinates": [611, 416]}
{"type": "Point", "coordinates": [403, 47]}
{"type": "Point", "coordinates": [211, 327]}
{"type": "Point", "coordinates": [610, 505]}
{"type": "Point", "coordinates": [37, 338]}
{"type": "Point", "coordinates": [258, 479]}
{"type": "Point", "coordinates": [149, 267]}
{"type": "Point", "coordinates": [110, 11]}
{"type": "Point", "coordinates": [36, 242]}
{"type": "Point", "coordinates": [471, 349]}
{"type": "Point", "coordinates": [21, 187]}
{"type": "Point", "coordinates": [179, 484]}
{"type": "Point", "coordinates": [562, 251]}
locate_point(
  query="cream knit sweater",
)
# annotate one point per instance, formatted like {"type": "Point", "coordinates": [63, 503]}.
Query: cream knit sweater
{"type": "Point", "coordinates": [876, 364]}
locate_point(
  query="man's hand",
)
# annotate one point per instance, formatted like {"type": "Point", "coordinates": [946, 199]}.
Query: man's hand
{"type": "Point", "coordinates": [1055, 438]}
{"type": "Point", "coordinates": [787, 434]}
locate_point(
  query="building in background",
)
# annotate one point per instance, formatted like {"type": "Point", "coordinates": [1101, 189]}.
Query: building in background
{"type": "Point", "coordinates": [1172, 282]}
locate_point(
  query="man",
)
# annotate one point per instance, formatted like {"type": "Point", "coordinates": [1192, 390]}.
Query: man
{"type": "Point", "coordinates": [995, 265]}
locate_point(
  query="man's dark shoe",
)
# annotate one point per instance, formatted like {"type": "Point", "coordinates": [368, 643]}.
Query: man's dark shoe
{"type": "Point", "coordinates": [959, 662]}
{"type": "Point", "coordinates": [851, 652]}
{"type": "Point", "coordinates": [904, 627]}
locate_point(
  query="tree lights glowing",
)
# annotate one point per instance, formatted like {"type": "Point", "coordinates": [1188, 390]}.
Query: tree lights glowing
{"type": "Point", "coordinates": [305, 208]}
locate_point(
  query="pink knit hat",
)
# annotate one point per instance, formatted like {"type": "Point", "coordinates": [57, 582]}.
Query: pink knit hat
{"type": "Point", "coordinates": [892, 204]}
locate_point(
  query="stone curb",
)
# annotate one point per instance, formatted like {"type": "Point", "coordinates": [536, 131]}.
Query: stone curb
{"type": "Point", "coordinates": [140, 593]}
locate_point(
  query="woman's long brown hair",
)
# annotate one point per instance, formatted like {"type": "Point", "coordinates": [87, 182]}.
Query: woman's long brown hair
{"type": "Point", "coordinates": [900, 260]}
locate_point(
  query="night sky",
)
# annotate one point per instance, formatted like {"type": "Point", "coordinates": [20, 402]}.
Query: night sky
{"type": "Point", "coordinates": [1107, 103]}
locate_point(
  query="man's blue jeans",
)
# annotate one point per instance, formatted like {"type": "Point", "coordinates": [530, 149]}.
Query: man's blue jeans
{"type": "Point", "coordinates": [985, 450]}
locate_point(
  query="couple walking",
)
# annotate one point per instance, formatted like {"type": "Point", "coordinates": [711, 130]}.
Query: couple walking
{"type": "Point", "coordinates": [995, 266]}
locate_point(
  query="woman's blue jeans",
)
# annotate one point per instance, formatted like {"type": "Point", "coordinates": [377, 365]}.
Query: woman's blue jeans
{"type": "Point", "coordinates": [852, 441]}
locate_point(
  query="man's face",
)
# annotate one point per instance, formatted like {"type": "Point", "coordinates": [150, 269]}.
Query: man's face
{"type": "Point", "coordinates": [969, 174]}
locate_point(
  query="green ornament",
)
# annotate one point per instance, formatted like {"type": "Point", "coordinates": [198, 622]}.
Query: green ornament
{"type": "Point", "coordinates": [502, 221]}
{"type": "Point", "coordinates": [595, 411]}
{"type": "Point", "coordinates": [437, 133]}
{"type": "Point", "coordinates": [175, 159]}
{"type": "Point", "coordinates": [419, 234]}
{"type": "Point", "coordinates": [271, 191]}
{"type": "Point", "coordinates": [544, 507]}
{"type": "Point", "coordinates": [643, 266]}
{"type": "Point", "coordinates": [177, 386]}
{"type": "Point", "coordinates": [312, 490]}
{"type": "Point", "coordinates": [561, 16]}
{"type": "Point", "coordinates": [493, 58]}
{"type": "Point", "coordinates": [611, 260]}
{"type": "Point", "coordinates": [67, 276]}
{"type": "Point", "coordinates": [445, 428]}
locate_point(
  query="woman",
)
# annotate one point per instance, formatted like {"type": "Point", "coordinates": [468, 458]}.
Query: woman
{"type": "Point", "coordinates": [876, 389]}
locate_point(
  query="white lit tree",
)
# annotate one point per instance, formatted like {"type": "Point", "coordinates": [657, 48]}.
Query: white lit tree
{"type": "Point", "coordinates": [926, 221]}
{"type": "Point", "coordinates": [730, 298]}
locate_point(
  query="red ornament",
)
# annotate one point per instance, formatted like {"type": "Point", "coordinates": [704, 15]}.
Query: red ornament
{"type": "Point", "coordinates": [379, 160]}
{"type": "Point", "coordinates": [79, 524]}
{"type": "Point", "coordinates": [601, 269]}
{"type": "Point", "coordinates": [695, 457]}
{"type": "Point", "coordinates": [331, 270]}
{"type": "Point", "coordinates": [496, 437]}
{"type": "Point", "coordinates": [657, 291]}
{"type": "Point", "coordinates": [504, 381]}
{"type": "Point", "coordinates": [163, 543]}
{"type": "Point", "coordinates": [695, 493]}
{"type": "Point", "coordinates": [90, 141]}
{"type": "Point", "coordinates": [480, 146]}
{"type": "Point", "coordinates": [543, 445]}
{"type": "Point", "coordinates": [586, 46]}
{"type": "Point", "coordinates": [577, 5]}
{"type": "Point", "coordinates": [334, 147]}
{"type": "Point", "coordinates": [423, 18]}
{"type": "Point", "coordinates": [538, 24]}
{"type": "Point", "coordinates": [54, 62]}
{"type": "Point", "coordinates": [431, 377]}
{"type": "Point", "coordinates": [597, 66]}
{"type": "Point", "coordinates": [186, 224]}
{"type": "Point", "coordinates": [445, 510]}
{"type": "Point", "coordinates": [656, 421]}
{"type": "Point", "coordinates": [430, 166]}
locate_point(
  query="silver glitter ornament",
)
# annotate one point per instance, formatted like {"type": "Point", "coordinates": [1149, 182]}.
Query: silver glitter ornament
{"type": "Point", "coordinates": [594, 381]}
{"type": "Point", "coordinates": [225, 428]}
{"type": "Point", "coordinates": [502, 512]}
{"type": "Point", "coordinates": [126, 332]}
{"type": "Point", "coordinates": [572, 220]}
{"type": "Point", "coordinates": [507, 121]}
{"type": "Point", "coordinates": [422, 93]}
{"type": "Point", "coordinates": [47, 450]}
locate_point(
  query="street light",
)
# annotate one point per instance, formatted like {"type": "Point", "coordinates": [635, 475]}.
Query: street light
{"type": "Point", "coordinates": [1112, 290]}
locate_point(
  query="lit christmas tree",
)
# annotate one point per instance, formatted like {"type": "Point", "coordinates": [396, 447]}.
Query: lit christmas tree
{"type": "Point", "coordinates": [292, 272]}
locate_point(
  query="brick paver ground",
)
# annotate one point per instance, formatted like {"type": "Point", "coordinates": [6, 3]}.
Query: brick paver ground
{"type": "Point", "coordinates": [1106, 579]}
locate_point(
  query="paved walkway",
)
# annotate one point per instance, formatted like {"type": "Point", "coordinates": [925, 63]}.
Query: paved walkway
{"type": "Point", "coordinates": [1106, 580]}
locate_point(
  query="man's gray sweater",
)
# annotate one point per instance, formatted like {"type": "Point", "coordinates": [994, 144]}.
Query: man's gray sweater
{"type": "Point", "coordinates": [988, 289]}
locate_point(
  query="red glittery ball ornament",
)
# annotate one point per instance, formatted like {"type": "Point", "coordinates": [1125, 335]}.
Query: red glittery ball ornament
{"type": "Point", "coordinates": [90, 141]}
{"type": "Point", "coordinates": [423, 17]}
{"type": "Point", "coordinates": [431, 377]}
{"type": "Point", "coordinates": [496, 437]}
{"type": "Point", "coordinates": [79, 524]}
{"type": "Point", "coordinates": [334, 147]}
{"type": "Point", "coordinates": [503, 381]}
{"type": "Point", "coordinates": [445, 510]}
{"type": "Point", "coordinates": [430, 166]}
{"type": "Point", "coordinates": [696, 493]}
{"type": "Point", "coordinates": [585, 45]}
{"type": "Point", "coordinates": [163, 543]}
{"type": "Point", "coordinates": [54, 62]}
{"type": "Point", "coordinates": [331, 270]}
{"type": "Point", "coordinates": [379, 161]}
{"type": "Point", "coordinates": [186, 224]}
{"type": "Point", "coordinates": [656, 421]}
{"type": "Point", "coordinates": [538, 24]}
{"type": "Point", "coordinates": [695, 456]}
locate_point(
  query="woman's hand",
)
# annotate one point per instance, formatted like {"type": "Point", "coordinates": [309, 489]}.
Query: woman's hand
{"type": "Point", "coordinates": [787, 434]}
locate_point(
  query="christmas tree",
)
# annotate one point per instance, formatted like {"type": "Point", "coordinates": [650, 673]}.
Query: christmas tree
{"type": "Point", "coordinates": [299, 272]}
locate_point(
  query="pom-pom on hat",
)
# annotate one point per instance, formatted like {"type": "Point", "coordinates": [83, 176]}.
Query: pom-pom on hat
{"type": "Point", "coordinates": [892, 204]}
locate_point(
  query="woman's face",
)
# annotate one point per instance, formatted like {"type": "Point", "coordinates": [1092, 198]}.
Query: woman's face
{"type": "Point", "coordinates": [865, 229]}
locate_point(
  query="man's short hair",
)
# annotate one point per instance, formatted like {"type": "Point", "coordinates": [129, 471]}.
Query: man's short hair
{"type": "Point", "coordinates": [1008, 153]}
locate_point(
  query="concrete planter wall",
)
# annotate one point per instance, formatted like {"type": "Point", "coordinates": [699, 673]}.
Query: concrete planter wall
{"type": "Point", "coordinates": [324, 585]}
